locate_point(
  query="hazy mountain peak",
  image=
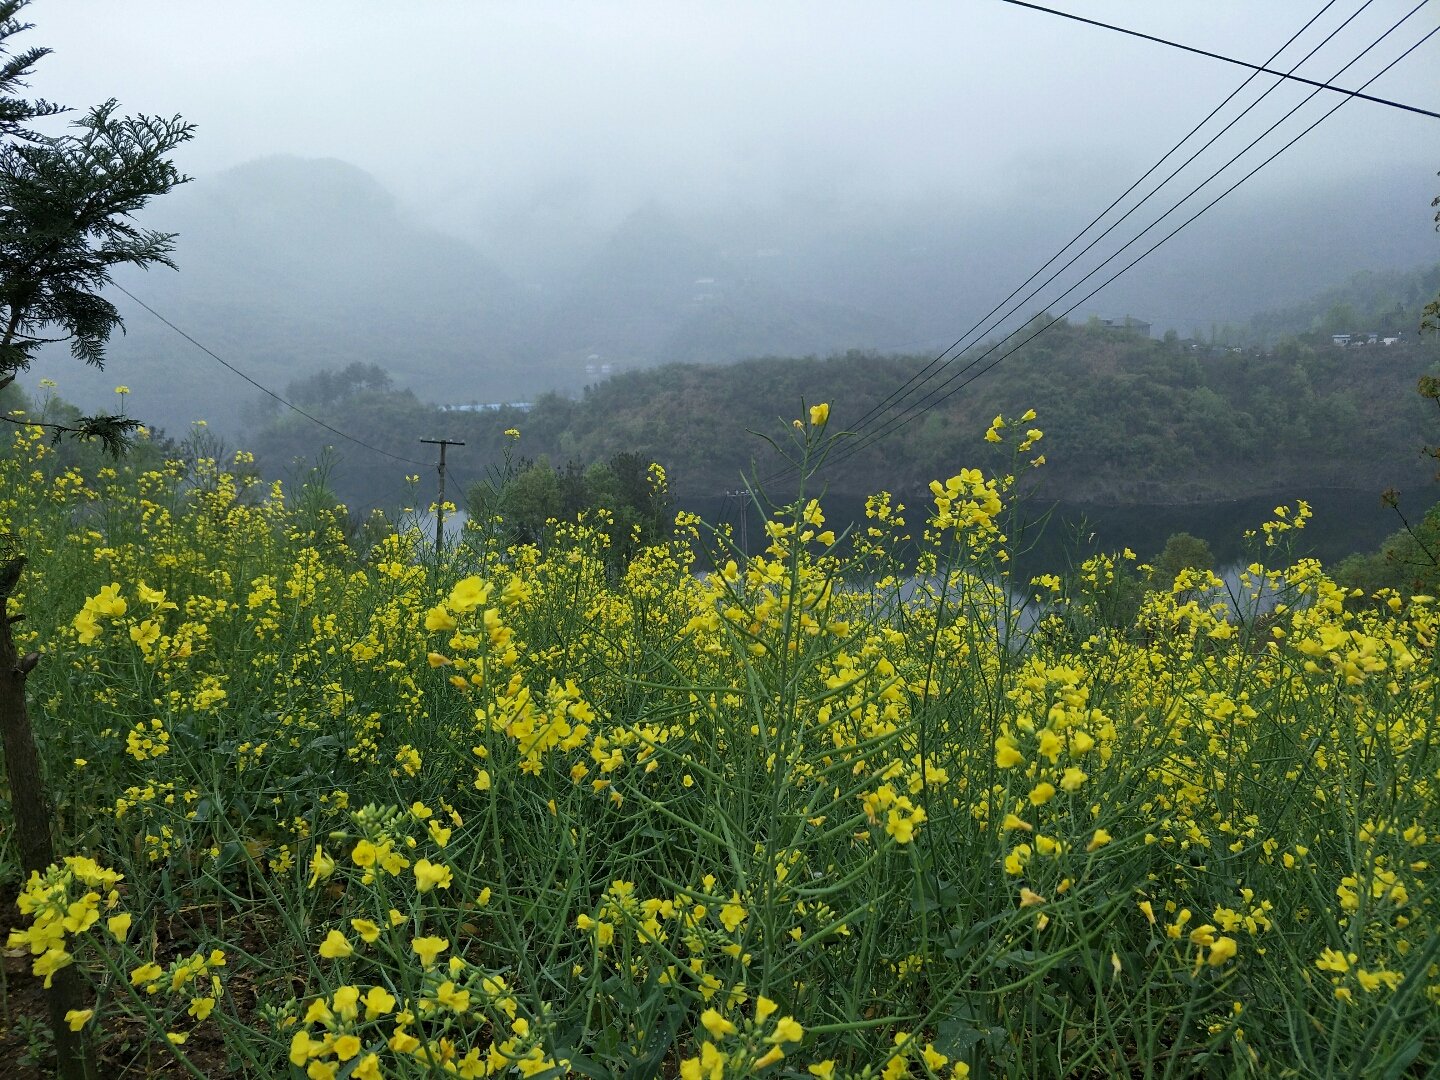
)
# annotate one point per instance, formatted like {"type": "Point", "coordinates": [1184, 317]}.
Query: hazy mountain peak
{"type": "Point", "coordinates": [306, 191]}
{"type": "Point", "coordinates": [651, 236]}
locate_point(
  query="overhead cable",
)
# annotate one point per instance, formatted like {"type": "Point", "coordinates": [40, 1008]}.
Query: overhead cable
{"type": "Point", "coordinates": [1227, 59]}
{"type": "Point", "coordinates": [266, 390]}
{"type": "Point", "coordinates": [932, 400]}
{"type": "Point", "coordinates": [1111, 228]}
{"type": "Point", "coordinates": [939, 361]}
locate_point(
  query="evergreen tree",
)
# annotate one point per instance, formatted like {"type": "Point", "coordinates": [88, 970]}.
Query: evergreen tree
{"type": "Point", "coordinates": [67, 208]}
{"type": "Point", "coordinates": [67, 204]}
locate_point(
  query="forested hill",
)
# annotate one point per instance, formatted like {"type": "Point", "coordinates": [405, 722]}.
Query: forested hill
{"type": "Point", "coordinates": [1368, 301]}
{"type": "Point", "coordinates": [1127, 419]}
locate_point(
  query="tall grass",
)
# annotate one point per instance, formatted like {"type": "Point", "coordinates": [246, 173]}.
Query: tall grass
{"type": "Point", "coordinates": [514, 814]}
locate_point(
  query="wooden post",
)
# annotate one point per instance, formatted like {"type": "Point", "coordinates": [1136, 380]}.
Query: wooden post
{"type": "Point", "coordinates": [31, 811]}
{"type": "Point", "coordinates": [440, 504]}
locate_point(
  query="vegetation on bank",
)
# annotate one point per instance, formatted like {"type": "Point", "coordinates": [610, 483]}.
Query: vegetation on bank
{"type": "Point", "coordinates": [329, 811]}
{"type": "Point", "coordinates": [1369, 301]}
{"type": "Point", "coordinates": [626, 499]}
{"type": "Point", "coordinates": [1408, 561]}
{"type": "Point", "coordinates": [1141, 420]}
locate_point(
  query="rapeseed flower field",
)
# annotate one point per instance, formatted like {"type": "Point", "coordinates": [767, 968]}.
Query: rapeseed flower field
{"type": "Point", "coordinates": [821, 812]}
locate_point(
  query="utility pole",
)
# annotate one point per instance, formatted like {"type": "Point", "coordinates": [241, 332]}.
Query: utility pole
{"type": "Point", "coordinates": [744, 500]}
{"type": "Point", "coordinates": [440, 501]}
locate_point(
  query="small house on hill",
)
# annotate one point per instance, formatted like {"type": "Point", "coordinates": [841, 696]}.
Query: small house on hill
{"type": "Point", "coordinates": [1128, 325]}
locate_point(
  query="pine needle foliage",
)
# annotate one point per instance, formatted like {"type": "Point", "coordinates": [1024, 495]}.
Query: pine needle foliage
{"type": "Point", "coordinates": [67, 221]}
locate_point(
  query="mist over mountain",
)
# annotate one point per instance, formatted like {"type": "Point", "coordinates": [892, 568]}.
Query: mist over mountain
{"type": "Point", "coordinates": [652, 293]}
{"type": "Point", "coordinates": [289, 266]}
{"type": "Point", "coordinates": [938, 265]}
{"type": "Point", "coordinates": [292, 265]}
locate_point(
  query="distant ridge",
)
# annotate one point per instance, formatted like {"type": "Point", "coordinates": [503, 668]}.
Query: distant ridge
{"type": "Point", "coordinates": [290, 265]}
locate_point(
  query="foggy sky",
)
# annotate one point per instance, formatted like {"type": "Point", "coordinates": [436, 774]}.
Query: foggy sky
{"type": "Point", "coordinates": [903, 166]}
{"type": "Point", "coordinates": [465, 108]}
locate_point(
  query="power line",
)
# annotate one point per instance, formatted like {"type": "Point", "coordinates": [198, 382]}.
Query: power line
{"type": "Point", "coordinates": [932, 370]}
{"type": "Point", "coordinates": [1111, 228]}
{"type": "Point", "coordinates": [929, 404]}
{"type": "Point", "coordinates": [931, 400]}
{"type": "Point", "coordinates": [923, 375]}
{"type": "Point", "coordinates": [1146, 198]}
{"type": "Point", "coordinates": [1226, 59]}
{"type": "Point", "coordinates": [463, 483]}
{"type": "Point", "coordinates": [266, 390]}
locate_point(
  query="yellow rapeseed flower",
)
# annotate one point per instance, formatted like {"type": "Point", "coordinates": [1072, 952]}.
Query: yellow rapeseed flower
{"type": "Point", "coordinates": [146, 973]}
{"type": "Point", "coordinates": [716, 1024]}
{"type": "Point", "coordinates": [787, 1029]}
{"type": "Point", "coordinates": [335, 946]}
{"type": "Point", "coordinates": [1222, 950]}
{"type": "Point", "coordinates": [378, 1002]}
{"type": "Point", "coordinates": [437, 618]}
{"type": "Point", "coordinates": [321, 866]}
{"type": "Point", "coordinates": [1007, 756]}
{"type": "Point", "coordinates": [428, 948]}
{"type": "Point", "coordinates": [1042, 793]}
{"type": "Point", "coordinates": [733, 913]}
{"type": "Point", "coordinates": [48, 963]}
{"type": "Point", "coordinates": [364, 853]}
{"type": "Point", "coordinates": [201, 1007]}
{"type": "Point", "coordinates": [430, 875]}
{"type": "Point", "coordinates": [468, 594]}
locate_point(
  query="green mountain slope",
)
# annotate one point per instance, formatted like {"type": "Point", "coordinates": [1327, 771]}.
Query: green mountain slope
{"type": "Point", "coordinates": [1127, 420]}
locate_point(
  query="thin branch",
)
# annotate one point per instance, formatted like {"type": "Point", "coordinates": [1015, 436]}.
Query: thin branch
{"type": "Point", "coordinates": [112, 432]}
{"type": "Point", "coordinates": [1391, 499]}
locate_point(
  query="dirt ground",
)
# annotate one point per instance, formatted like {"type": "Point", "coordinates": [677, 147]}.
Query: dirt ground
{"type": "Point", "coordinates": [123, 1051]}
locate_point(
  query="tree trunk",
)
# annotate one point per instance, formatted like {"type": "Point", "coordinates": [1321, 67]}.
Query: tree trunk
{"type": "Point", "coordinates": [31, 811]}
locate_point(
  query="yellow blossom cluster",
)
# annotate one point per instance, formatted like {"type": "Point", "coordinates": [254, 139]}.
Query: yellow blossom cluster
{"type": "Point", "coordinates": [743, 1049]}
{"type": "Point", "coordinates": [853, 805]}
{"type": "Point", "coordinates": [63, 903]}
